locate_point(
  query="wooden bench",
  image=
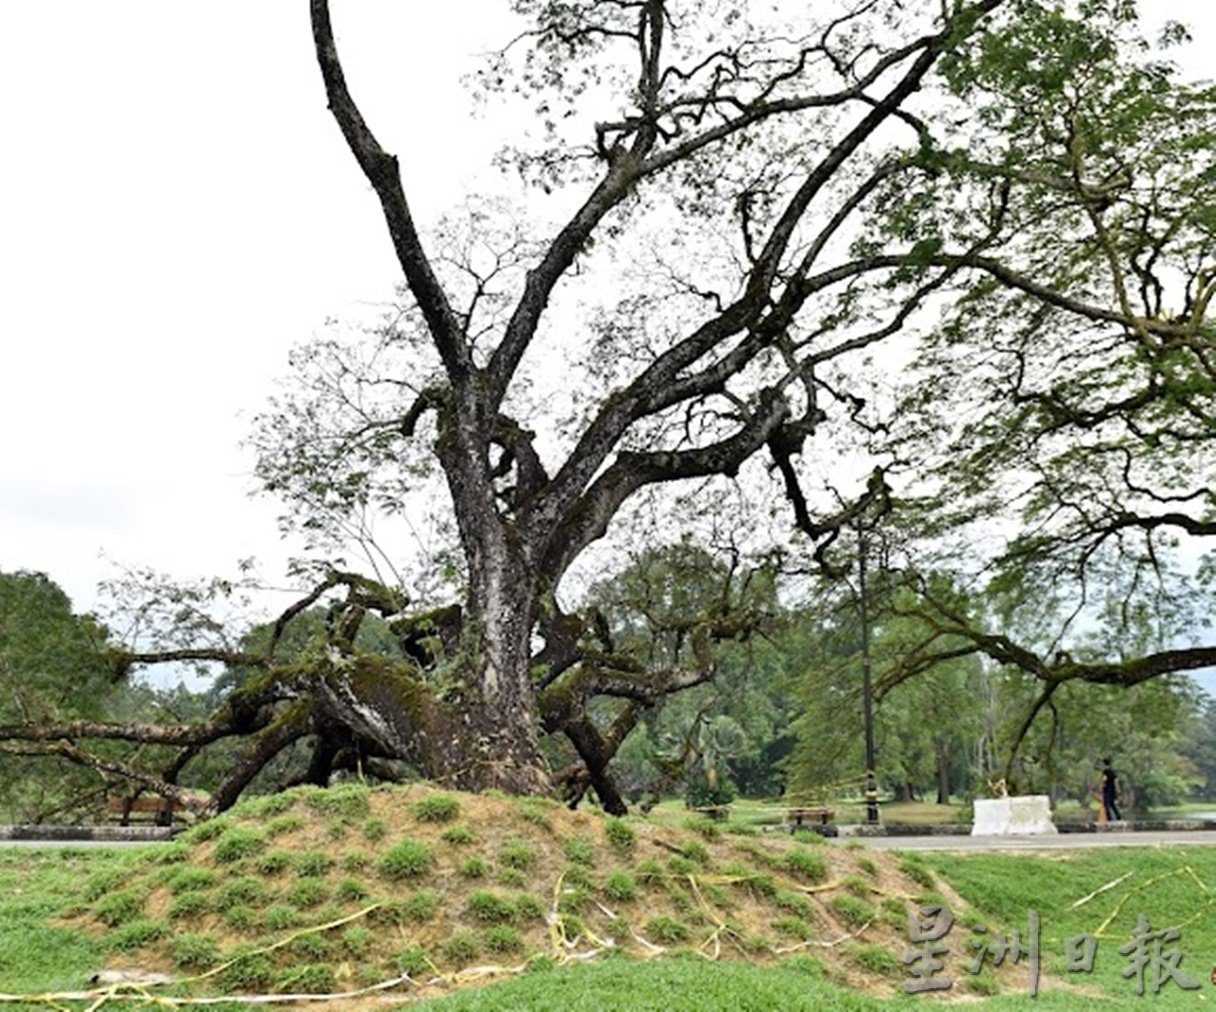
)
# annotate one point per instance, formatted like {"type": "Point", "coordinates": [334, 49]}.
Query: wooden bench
{"type": "Point", "coordinates": [797, 817]}
{"type": "Point", "coordinates": [145, 807]}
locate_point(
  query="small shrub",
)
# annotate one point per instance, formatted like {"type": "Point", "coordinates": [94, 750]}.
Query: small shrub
{"type": "Point", "coordinates": [517, 854]}
{"type": "Point", "coordinates": [502, 938]}
{"type": "Point", "coordinates": [474, 867]}
{"type": "Point", "coordinates": [119, 908]}
{"type": "Point", "coordinates": [407, 859]}
{"type": "Point", "coordinates": [188, 879]}
{"type": "Point", "coordinates": [375, 829]}
{"type": "Point", "coordinates": [238, 843]}
{"type": "Point", "coordinates": [529, 908]}
{"type": "Point", "coordinates": [795, 904]}
{"type": "Point", "coordinates": [311, 947]}
{"type": "Point", "coordinates": [356, 860]}
{"type": "Point", "coordinates": [487, 906]}
{"type": "Point", "coordinates": [240, 917]}
{"type": "Point", "coordinates": [459, 836]}
{"type": "Point", "coordinates": [579, 851]}
{"type": "Point", "coordinates": [273, 862]}
{"type": "Point", "coordinates": [254, 972]}
{"type": "Point", "coordinates": [136, 934]}
{"type": "Point", "coordinates": [874, 959]}
{"type": "Point", "coordinates": [461, 947]}
{"type": "Point", "coordinates": [315, 978]}
{"type": "Point", "coordinates": [245, 889]}
{"type": "Point", "coordinates": [794, 927]}
{"type": "Point", "coordinates": [312, 863]}
{"type": "Point", "coordinates": [650, 872]}
{"type": "Point", "coordinates": [806, 865]}
{"type": "Point", "coordinates": [437, 808]}
{"type": "Point", "coordinates": [188, 905]}
{"type": "Point", "coordinates": [421, 906]}
{"type": "Point", "coordinates": [621, 886]}
{"type": "Point", "coordinates": [666, 930]}
{"type": "Point", "coordinates": [308, 892]}
{"type": "Point", "coordinates": [284, 824]}
{"type": "Point", "coordinates": [851, 911]}
{"type": "Point", "coordinates": [512, 877]}
{"type": "Point", "coordinates": [195, 951]}
{"type": "Point", "coordinates": [357, 940]}
{"type": "Point", "coordinates": [412, 960]}
{"type": "Point", "coordinates": [351, 890]}
{"type": "Point", "coordinates": [282, 916]}
{"type": "Point", "coordinates": [621, 836]}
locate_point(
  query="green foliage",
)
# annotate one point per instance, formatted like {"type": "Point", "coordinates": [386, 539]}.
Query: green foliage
{"type": "Point", "coordinates": [312, 863]}
{"type": "Point", "coordinates": [375, 829]}
{"type": "Point", "coordinates": [412, 960]}
{"type": "Point", "coordinates": [313, 978]}
{"type": "Point", "coordinates": [579, 851]}
{"type": "Point", "coordinates": [620, 835]}
{"type": "Point", "coordinates": [503, 938]}
{"type": "Point", "coordinates": [136, 934]}
{"type": "Point", "coordinates": [421, 905]}
{"type": "Point", "coordinates": [308, 892]}
{"type": "Point", "coordinates": [357, 940]}
{"type": "Point", "coordinates": [486, 906]}
{"type": "Point", "coordinates": [517, 853]}
{"type": "Point", "coordinates": [245, 889]}
{"type": "Point", "coordinates": [806, 865]}
{"type": "Point", "coordinates": [667, 930]}
{"type": "Point", "coordinates": [189, 905]}
{"type": "Point", "coordinates": [281, 917]}
{"type": "Point", "coordinates": [195, 951]}
{"type": "Point", "coordinates": [622, 886]}
{"type": "Point", "coordinates": [237, 843]}
{"type": "Point", "coordinates": [190, 879]}
{"type": "Point", "coordinates": [437, 808]}
{"type": "Point", "coordinates": [473, 867]}
{"type": "Point", "coordinates": [284, 824]}
{"type": "Point", "coordinates": [348, 801]}
{"type": "Point", "coordinates": [253, 972]}
{"type": "Point", "coordinates": [851, 911]}
{"type": "Point", "coordinates": [352, 890]}
{"type": "Point", "coordinates": [459, 836]}
{"type": "Point", "coordinates": [407, 859]}
{"type": "Point", "coordinates": [461, 947]}
{"type": "Point", "coordinates": [874, 959]}
{"type": "Point", "coordinates": [120, 907]}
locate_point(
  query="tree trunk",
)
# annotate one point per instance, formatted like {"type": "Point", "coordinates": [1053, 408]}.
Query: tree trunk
{"type": "Point", "coordinates": [943, 775]}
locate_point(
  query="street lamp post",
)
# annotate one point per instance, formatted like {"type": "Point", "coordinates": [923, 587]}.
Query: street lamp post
{"type": "Point", "coordinates": [871, 790]}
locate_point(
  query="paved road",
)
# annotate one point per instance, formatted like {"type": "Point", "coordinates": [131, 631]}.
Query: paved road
{"type": "Point", "coordinates": [1062, 841]}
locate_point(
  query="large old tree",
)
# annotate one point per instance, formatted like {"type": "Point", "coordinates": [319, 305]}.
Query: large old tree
{"type": "Point", "coordinates": [748, 199]}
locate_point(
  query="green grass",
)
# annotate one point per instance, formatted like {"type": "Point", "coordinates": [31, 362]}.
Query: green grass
{"type": "Point", "coordinates": [622, 985]}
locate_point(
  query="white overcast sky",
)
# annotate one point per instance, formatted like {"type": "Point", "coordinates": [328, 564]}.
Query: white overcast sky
{"type": "Point", "coordinates": [177, 210]}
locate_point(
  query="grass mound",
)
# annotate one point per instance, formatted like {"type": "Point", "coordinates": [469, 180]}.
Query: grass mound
{"type": "Point", "coordinates": [342, 889]}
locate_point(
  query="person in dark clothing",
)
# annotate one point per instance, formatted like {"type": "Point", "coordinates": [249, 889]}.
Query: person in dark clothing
{"type": "Point", "coordinates": [1110, 792]}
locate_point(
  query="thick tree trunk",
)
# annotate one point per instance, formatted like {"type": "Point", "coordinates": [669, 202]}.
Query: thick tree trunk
{"type": "Point", "coordinates": [943, 775]}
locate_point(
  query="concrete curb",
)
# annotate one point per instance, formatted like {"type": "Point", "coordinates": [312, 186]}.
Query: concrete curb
{"type": "Point", "coordinates": [89, 834]}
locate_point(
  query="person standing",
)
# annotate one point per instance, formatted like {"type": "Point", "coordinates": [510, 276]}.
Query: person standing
{"type": "Point", "coordinates": [1110, 792]}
